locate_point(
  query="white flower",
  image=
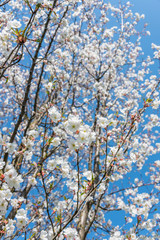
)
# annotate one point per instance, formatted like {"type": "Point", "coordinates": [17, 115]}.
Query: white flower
{"type": "Point", "coordinates": [108, 33]}
{"type": "Point", "coordinates": [17, 181]}
{"type": "Point", "coordinates": [14, 203]}
{"type": "Point", "coordinates": [8, 194]}
{"type": "Point", "coordinates": [15, 24]}
{"type": "Point", "coordinates": [83, 137]}
{"type": "Point", "coordinates": [154, 46]}
{"type": "Point", "coordinates": [28, 155]}
{"type": "Point", "coordinates": [29, 144]}
{"type": "Point", "coordinates": [137, 16]}
{"type": "Point", "coordinates": [51, 179]}
{"type": "Point", "coordinates": [73, 145]}
{"type": "Point", "coordinates": [120, 203]}
{"type": "Point", "coordinates": [101, 188]}
{"type": "Point", "coordinates": [73, 123]}
{"type": "Point", "coordinates": [148, 33]}
{"type": "Point", "coordinates": [50, 234]}
{"type": "Point", "coordinates": [49, 86]}
{"type": "Point", "coordinates": [56, 141]}
{"type": "Point", "coordinates": [21, 222]}
{"type": "Point", "coordinates": [71, 233]}
{"type": "Point", "coordinates": [155, 103]}
{"type": "Point", "coordinates": [3, 205]}
{"type": "Point", "coordinates": [72, 186]}
{"type": "Point", "coordinates": [51, 164]}
{"type": "Point", "coordinates": [117, 152]}
{"type": "Point", "coordinates": [154, 118]}
{"type": "Point", "coordinates": [65, 168]}
{"type": "Point", "coordinates": [88, 175]}
{"type": "Point", "coordinates": [135, 143]}
{"type": "Point", "coordinates": [43, 235]}
{"type": "Point", "coordinates": [38, 1]}
{"type": "Point", "coordinates": [21, 218]}
{"type": "Point", "coordinates": [92, 137]}
{"type": "Point", "coordinates": [11, 147]}
{"type": "Point", "coordinates": [2, 195]}
{"type": "Point", "coordinates": [32, 180]}
{"type": "Point", "coordinates": [10, 227]}
{"type": "Point", "coordinates": [10, 175]}
{"type": "Point", "coordinates": [157, 163]}
{"type": "Point", "coordinates": [2, 164]}
{"type": "Point", "coordinates": [116, 236]}
{"type": "Point", "coordinates": [129, 220]}
{"type": "Point", "coordinates": [33, 133]}
{"type": "Point", "coordinates": [133, 210]}
{"type": "Point", "coordinates": [102, 122]}
{"type": "Point", "coordinates": [54, 114]}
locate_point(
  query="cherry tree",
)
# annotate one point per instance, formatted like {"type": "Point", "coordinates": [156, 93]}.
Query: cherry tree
{"type": "Point", "coordinates": [79, 137]}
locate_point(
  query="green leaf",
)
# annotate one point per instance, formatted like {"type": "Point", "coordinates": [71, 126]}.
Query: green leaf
{"type": "Point", "coordinates": [6, 80]}
{"type": "Point", "coordinates": [50, 140]}
{"type": "Point", "coordinates": [149, 100]}
{"type": "Point", "coordinates": [59, 217]}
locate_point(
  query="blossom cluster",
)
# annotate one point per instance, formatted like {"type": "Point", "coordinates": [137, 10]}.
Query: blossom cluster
{"type": "Point", "coordinates": [79, 120]}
